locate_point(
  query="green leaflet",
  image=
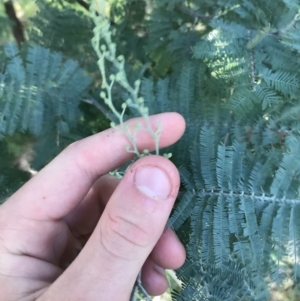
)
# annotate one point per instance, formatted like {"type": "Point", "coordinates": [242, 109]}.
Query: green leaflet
{"type": "Point", "coordinates": [30, 89]}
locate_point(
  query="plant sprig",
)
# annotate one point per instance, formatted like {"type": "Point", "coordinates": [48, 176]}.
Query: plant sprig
{"type": "Point", "coordinates": [106, 51]}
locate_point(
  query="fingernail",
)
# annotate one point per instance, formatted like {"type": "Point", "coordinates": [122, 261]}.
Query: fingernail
{"type": "Point", "coordinates": [153, 182]}
{"type": "Point", "coordinates": [159, 269]}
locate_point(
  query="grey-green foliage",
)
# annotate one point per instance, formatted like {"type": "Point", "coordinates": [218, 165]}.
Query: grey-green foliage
{"type": "Point", "coordinates": [238, 91]}
{"type": "Point", "coordinates": [65, 28]}
{"type": "Point", "coordinates": [4, 28]}
{"type": "Point", "coordinates": [240, 209]}
{"type": "Point", "coordinates": [231, 69]}
{"type": "Point", "coordinates": [39, 91]}
{"type": "Point", "coordinates": [240, 156]}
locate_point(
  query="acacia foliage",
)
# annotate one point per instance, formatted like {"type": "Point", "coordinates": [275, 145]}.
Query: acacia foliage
{"type": "Point", "coordinates": [231, 69]}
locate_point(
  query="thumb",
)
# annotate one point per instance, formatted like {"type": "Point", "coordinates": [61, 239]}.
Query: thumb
{"type": "Point", "coordinates": [129, 228]}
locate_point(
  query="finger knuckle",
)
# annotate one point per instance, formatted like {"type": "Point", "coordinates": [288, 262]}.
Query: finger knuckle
{"type": "Point", "coordinates": [80, 155]}
{"type": "Point", "coordinates": [125, 235]}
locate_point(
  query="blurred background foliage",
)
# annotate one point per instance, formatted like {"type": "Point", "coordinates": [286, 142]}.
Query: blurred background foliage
{"type": "Point", "coordinates": [63, 26]}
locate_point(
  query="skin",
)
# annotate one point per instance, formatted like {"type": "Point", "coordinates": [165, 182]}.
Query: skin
{"type": "Point", "coordinates": [75, 233]}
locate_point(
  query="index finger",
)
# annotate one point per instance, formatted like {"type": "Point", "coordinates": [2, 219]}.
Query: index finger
{"type": "Point", "coordinates": [59, 187]}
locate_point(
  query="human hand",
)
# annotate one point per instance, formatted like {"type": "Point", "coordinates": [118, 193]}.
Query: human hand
{"type": "Point", "coordinates": [71, 203]}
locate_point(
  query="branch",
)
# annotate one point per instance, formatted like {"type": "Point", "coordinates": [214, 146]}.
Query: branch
{"type": "Point", "coordinates": [84, 4]}
{"type": "Point", "coordinates": [289, 25]}
{"type": "Point", "coordinates": [17, 29]}
{"type": "Point", "coordinates": [96, 104]}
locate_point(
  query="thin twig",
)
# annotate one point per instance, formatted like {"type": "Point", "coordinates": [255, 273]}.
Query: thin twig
{"type": "Point", "coordinates": [141, 287]}
{"type": "Point", "coordinates": [289, 25]}
{"type": "Point", "coordinates": [84, 4]}
{"type": "Point", "coordinates": [18, 30]}
{"type": "Point", "coordinates": [96, 104]}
